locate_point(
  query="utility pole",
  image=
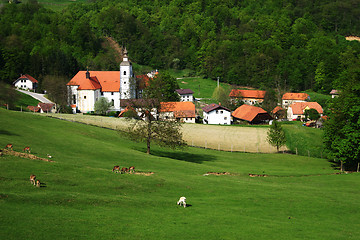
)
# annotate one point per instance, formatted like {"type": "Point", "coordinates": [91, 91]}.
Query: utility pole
{"type": "Point", "coordinates": [218, 81]}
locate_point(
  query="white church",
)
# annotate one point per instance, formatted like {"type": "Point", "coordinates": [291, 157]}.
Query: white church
{"type": "Point", "coordinates": [86, 87]}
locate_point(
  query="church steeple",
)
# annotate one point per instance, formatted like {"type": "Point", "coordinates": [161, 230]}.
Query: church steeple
{"type": "Point", "coordinates": [127, 87]}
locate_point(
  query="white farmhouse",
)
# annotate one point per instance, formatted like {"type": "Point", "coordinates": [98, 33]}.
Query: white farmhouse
{"type": "Point", "coordinates": [290, 98]}
{"type": "Point", "coordinates": [186, 95]}
{"type": "Point", "coordinates": [25, 81]}
{"type": "Point", "coordinates": [216, 114]}
{"type": "Point", "coordinates": [297, 109]}
{"type": "Point", "coordinates": [86, 87]}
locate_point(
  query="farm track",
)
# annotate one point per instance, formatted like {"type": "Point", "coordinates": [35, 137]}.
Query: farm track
{"type": "Point", "coordinates": [224, 138]}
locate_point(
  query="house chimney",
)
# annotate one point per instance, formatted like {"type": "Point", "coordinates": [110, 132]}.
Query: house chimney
{"type": "Point", "coordinates": [219, 103]}
{"type": "Point", "coordinates": [87, 74]}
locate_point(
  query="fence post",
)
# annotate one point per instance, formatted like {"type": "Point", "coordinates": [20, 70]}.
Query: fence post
{"type": "Point", "coordinates": [358, 167]}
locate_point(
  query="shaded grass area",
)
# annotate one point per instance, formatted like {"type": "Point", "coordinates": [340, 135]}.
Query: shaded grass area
{"type": "Point", "coordinates": [84, 199]}
{"type": "Point", "coordinates": [304, 140]}
{"type": "Point", "coordinates": [25, 100]}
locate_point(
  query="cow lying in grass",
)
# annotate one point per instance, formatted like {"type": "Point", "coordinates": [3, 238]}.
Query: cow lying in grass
{"type": "Point", "coordinates": [9, 146]}
{"type": "Point", "coordinates": [116, 168]}
{"type": "Point", "coordinates": [182, 201]}
{"type": "Point", "coordinates": [27, 149]}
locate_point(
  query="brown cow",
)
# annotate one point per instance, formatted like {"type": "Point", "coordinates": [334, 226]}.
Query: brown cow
{"type": "Point", "coordinates": [32, 179]}
{"type": "Point", "coordinates": [9, 146]}
{"type": "Point", "coordinates": [124, 170]}
{"type": "Point", "coordinates": [27, 149]}
{"type": "Point", "coordinates": [131, 169]}
{"type": "Point", "coordinates": [116, 168]}
{"type": "Point", "coordinates": [38, 183]}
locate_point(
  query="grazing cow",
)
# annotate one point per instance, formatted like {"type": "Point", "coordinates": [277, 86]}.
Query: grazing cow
{"type": "Point", "coordinates": [9, 146]}
{"type": "Point", "coordinates": [124, 170]}
{"type": "Point", "coordinates": [38, 183]}
{"type": "Point", "coordinates": [182, 201]}
{"type": "Point", "coordinates": [116, 168]}
{"type": "Point", "coordinates": [32, 179]}
{"type": "Point", "coordinates": [49, 156]}
{"type": "Point", "coordinates": [27, 149]}
{"type": "Point", "coordinates": [131, 169]}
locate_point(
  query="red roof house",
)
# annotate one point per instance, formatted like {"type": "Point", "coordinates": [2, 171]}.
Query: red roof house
{"type": "Point", "coordinates": [251, 114]}
{"type": "Point", "coordinates": [25, 81]}
{"type": "Point", "coordinates": [297, 109]}
{"type": "Point", "coordinates": [250, 97]}
{"type": "Point", "coordinates": [184, 111]}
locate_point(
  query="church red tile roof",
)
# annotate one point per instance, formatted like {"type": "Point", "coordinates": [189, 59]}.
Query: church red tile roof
{"type": "Point", "coordinates": [107, 81]}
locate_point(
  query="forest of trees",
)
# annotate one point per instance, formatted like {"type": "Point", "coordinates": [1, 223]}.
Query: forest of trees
{"type": "Point", "coordinates": [295, 45]}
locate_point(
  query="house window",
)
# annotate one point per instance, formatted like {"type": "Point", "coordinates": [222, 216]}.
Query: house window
{"type": "Point", "coordinates": [221, 112]}
{"type": "Point", "coordinates": [124, 82]}
{"type": "Point", "coordinates": [124, 73]}
{"type": "Point", "coordinates": [74, 99]}
{"type": "Point", "coordinates": [217, 112]}
{"type": "Point", "coordinates": [112, 102]}
{"type": "Point", "coordinates": [225, 118]}
{"type": "Point", "coordinates": [84, 97]}
{"type": "Point", "coordinates": [102, 93]}
{"type": "Point", "coordinates": [112, 93]}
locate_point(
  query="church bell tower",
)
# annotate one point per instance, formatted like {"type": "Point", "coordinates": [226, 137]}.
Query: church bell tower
{"type": "Point", "coordinates": [127, 80]}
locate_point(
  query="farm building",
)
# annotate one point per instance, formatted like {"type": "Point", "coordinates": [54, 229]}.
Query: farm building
{"type": "Point", "coordinates": [251, 114]}
{"type": "Point", "coordinates": [289, 98]}
{"type": "Point", "coordinates": [334, 93]}
{"type": "Point", "coordinates": [278, 112]}
{"type": "Point", "coordinates": [27, 82]}
{"type": "Point", "coordinates": [181, 111]}
{"type": "Point", "coordinates": [249, 97]}
{"type": "Point", "coordinates": [43, 108]}
{"type": "Point", "coordinates": [186, 95]}
{"type": "Point", "coordinates": [216, 114]}
{"type": "Point", "coordinates": [297, 109]}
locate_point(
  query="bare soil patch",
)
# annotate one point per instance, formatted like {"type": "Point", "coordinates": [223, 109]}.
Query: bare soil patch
{"type": "Point", "coordinates": [24, 155]}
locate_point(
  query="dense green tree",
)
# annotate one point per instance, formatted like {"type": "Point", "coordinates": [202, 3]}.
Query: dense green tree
{"type": "Point", "coordinates": [276, 135]}
{"type": "Point", "coordinates": [101, 106]}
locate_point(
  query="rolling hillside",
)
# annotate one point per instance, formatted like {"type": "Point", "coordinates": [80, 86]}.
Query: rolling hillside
{"type": "Point", "coordinates": [81, 198]}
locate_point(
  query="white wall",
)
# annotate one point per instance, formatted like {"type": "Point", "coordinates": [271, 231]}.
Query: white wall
{"type": "Point", "coordinates": [186, 98]}
{"type": "Point", "coordinates": [86, 100]}
{"type": "Point", "coordinates": [24, 84]}
{"type": "Point", "coordinates": [113, 96]}
{"type": "Point", "coordinates": [218, 116]}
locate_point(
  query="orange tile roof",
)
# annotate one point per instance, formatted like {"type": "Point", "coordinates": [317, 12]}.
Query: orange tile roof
{"type": "Point", "coordinates": [107, 81]}
{"type": "Point", "coordinates": [247, 112]}
{"type": "Point", "coordinates": [299, 107]}
{"type": "Point", "coordinates": [277, 109]}
{"type": "Point", "coordinates": [257, 94]}
{"type": "Point", "coordinates": [24, 76]}
{"type": "Point", "coordinates": [180, 109]}
{"type": "Point", "coordinates": [295, 96]}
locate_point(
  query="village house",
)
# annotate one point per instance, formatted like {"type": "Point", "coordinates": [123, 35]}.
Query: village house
{"type": "Point", "coordinates": [86, 87]}
{"type": "Point", "coordinates": [250, 97]}
{"type": "Point", "coordinates": [216, 114]}
{"type": "Point", "coordinates": [334, 93]}
{"type": "Point", "coordinates": [251, 114]}
{"type": "Point", "coordinates": [186, 95]}
{"type": "Point", "coordinates": [26, 82]}
{"type": "Point", "coordinates": [296, 111]}
{"type": "Point", "coordinates": [180, 111]}
{"type": "Point", "coordinates": [278, 112]}
{"type": "Point", "coordinates": [289, 98]}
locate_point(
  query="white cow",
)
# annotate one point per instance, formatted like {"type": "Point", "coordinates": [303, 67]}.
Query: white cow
{"type": "Point", "coordinates": [182, 201]}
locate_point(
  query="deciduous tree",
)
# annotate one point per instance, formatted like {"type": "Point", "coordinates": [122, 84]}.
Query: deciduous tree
{"type": "Point", "coordinates": [276, 135]}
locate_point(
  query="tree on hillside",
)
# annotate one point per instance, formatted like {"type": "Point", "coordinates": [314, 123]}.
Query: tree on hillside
{"type": "Point", "coordinates": [342, 129]}
{"type": "Point", "coordinates": [276, 135]}
{"type": "Point", "coordinates": [8, 95]}
{"type": "Point", "coordinates": [149, 129]}
{"type": "Point", "coordinates": [101, 106]}
{"type": "Point", "coordinates": [312, 114]}
{"type": "Point", "coordinates": [56, 89]}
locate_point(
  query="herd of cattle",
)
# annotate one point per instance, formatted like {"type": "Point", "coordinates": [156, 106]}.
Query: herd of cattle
{"type": "Point", "coordinates": [116, 169]}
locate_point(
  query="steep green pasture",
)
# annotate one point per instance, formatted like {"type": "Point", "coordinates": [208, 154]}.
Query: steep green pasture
{"type": "Point", "coordinates": [202, 87]}
{"type": "Point", "coordinates": [81, 198]}
{"type": "Point", "coordinates": [306, 141]}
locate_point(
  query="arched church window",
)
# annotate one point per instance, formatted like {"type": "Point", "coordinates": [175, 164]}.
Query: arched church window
{"type": "Point", "coordinates": [124, 73]}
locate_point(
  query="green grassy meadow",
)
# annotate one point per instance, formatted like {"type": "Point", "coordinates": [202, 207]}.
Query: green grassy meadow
{"type": "Point", "coordinates": [81, 198]}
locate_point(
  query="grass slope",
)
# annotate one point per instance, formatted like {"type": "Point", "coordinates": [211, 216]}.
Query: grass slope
{"type": "Point", "coordinates": [83, 199]}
